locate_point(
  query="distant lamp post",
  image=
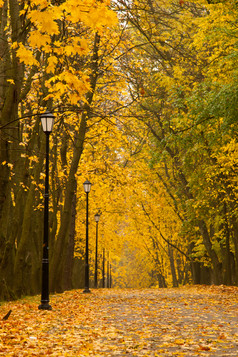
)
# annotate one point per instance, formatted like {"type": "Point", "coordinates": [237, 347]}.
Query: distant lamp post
{"type": "Point", "coordinates": [96, 217]}
{"type": "Point", "coordinates": [87, 188]}
{"type": "Point", "coordinates": [47, 121]}
{"type": "Point", "coordinates": [110, 276]}
{"type": "Point", "coordinates": [108, 272]}
{"type": "Point", "coordinates": [103, 268]}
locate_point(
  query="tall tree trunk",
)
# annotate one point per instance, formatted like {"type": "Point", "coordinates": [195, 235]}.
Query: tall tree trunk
{"type": "Point", "coordinates": [235, 241]}
{"type": "Point", "coordinates": [69, 259]}
{"type": "Point", "coordinates": [27, 259]}
{"type": "Point", "coordinates": [10, 86]}
{"type": "Point", "coordinates": [5, 67]}
{"type": "Point", "coordinates": [212, 254]}
{"type": "Point", "coordinates": [172, 266]}
{"type": "Point", "coordinates": [228, 255]}
{"type": "Point", "coordinates": [57, 263]}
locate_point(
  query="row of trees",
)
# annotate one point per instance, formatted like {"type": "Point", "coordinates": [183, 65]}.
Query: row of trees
{"type": "Point", "coordinates": [183, 81]}
{"type": "Point", "coordinates": [144, 95]}
{"type": "Point", "coordinates": [49, 58]}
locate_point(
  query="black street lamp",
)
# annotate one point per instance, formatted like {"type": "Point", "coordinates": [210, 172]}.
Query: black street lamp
{"type": "Point", "coordinates": [96, 217]}
{"type": "Point", "coordinates": [47, 121]}
{"type": "Point", "coordinates": [87, 188]}
{"type": "Point", "coordinates": [103, 268]}
{"type": "Point", "coordinates": [108, 272]}
{"type": "Point", "coordinates": [110, 276]}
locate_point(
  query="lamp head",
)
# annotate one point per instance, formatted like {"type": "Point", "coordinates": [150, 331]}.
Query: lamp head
{"type": "Point", "coordinates": [47, 121]}
{"type": "Point", "coordinates": [87, 186]}
{"type": "Point", "coordinates": [97, 217]}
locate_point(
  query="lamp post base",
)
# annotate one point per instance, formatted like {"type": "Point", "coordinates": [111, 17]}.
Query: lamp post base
{"type": "Point", "coordinates": [44, 306]}
{"type": "Point", "coordinates": [86, 291]}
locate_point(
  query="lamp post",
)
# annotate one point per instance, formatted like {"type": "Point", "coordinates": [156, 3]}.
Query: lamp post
{"type": "Point", "coordinates": [103, 268]}
{"type": "Point", "coordinates": [87, 188]}
{"type": "Point", "coordinates": [110, 276]}
{"type": "Point", "coordinates": [108, 272]}
{"type": "Point", "coordinates": [96, 217]}
{"type": "Point", "coordinates": [47, 121]}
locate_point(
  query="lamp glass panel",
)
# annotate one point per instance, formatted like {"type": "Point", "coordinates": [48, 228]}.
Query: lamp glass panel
{"type": "Point", "coordinates": [97, 217]}
{"type": "Point", "coordinates": [47, 121]}
{"type": "Point", "coordinates": [87, 186]}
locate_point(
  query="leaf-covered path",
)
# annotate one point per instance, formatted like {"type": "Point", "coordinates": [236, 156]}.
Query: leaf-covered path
{"type": "Point", "coordinates": [191, 321]}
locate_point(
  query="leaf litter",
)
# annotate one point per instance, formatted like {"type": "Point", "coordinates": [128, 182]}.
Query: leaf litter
{"type": "Point", "coordinates": [186, 321]}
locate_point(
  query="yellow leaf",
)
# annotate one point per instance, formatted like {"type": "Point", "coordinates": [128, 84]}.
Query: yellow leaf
{"type": "Point", "coordinates": [52, 61]}
{"type": "Point", "coordinates": [11, 81]}
{"type": "Point", "coordinates": [26, 56]}
{"type": "Point", "coordinates": [10, 165]}
{"type": "Point", "coordinates": [36, 39]}
{"type": "Point", "coordinates": [45, 20]}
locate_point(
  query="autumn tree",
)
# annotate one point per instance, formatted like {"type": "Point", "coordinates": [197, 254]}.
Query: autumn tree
{"type": "Point", "coordinates": [57, 69]}
{"type": "Point", "coordinates": [177, 74]}
{"type": "Point", "coordinates": [146, 110]}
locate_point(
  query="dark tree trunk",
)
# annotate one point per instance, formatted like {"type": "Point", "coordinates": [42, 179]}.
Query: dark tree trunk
{"type": "Point", "coordinates": [172, 266]}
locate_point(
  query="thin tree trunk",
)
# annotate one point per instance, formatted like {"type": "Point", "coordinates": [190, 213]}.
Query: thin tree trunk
{"type": "Point", "coordinates": [69, 260]}
{"type": "Point", "coordinates": [172, 266]}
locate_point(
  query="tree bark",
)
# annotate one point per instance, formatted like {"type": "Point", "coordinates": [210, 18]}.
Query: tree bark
{"type": "Point", "coordinates": [172, 266]}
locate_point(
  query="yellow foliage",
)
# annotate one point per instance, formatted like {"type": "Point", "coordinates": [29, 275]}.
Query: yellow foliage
{"type": "Point", "coordinates": [26, 56]}
{"type": "Point", "coordinates": [36, 38]}
{"type": "Point", "coordinates": [41, 4]}
{"type": "Point", "coordinates": [45, 21]}
{"type": "Point", "coordinates": [52, 61]}
{"type": "Point", "coordinates": [137, 212]}
{"type": "Point", "coordinates": [11, 81]}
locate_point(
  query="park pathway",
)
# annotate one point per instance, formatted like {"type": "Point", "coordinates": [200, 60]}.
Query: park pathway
{"type": "Point", "coordinates": [169, 323]}
{"type": "Point", "coordinates": [190, 321]}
